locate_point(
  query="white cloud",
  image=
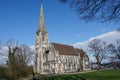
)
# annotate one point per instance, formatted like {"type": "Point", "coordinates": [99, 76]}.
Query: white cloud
{"type": "Point", "coordinates": [109, 37]}
{"type": "Point", "coordinates": [32, 47]}
{"type": "Point", "coordinates": [3, 54]}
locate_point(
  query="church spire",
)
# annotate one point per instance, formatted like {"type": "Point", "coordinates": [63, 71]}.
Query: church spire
{"type": "Point", "coordinates": [41, 43]}
{"type": "Point", "coordinates": [41, 25]}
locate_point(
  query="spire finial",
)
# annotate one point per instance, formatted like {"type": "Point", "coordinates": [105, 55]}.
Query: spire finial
{"type": "Point", "coordinates": [41, 26]}
{"type": "Point", "coordinates": [41, 1]}
{"type": "Point", "coordinates": [41, 4]}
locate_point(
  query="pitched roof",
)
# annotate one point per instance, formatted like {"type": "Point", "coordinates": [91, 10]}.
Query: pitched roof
{"type": "Point", "coordinates": [81, 52]}
{"type": "Point", "coordinates": [65, 49]}
{"type": "Point", "coordinates": [68, 50]}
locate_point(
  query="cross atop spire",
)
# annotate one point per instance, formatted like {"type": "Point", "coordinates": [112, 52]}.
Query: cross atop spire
{"type": "Point", "coordinates": [41, 25]}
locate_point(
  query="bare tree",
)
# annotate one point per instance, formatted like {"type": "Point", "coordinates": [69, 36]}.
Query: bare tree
{"type": "Point", "coordinates": [24, 54]}
{"type": "Point", "coordinates": [23, 57]}
{"type": "Point", "coordinates": [18, 59]}
{"type": "Point", "coordinates": [118, 49]}
{"type": "Point", "coordinates": [114, 49]}
{"type": "Point", "coordinates": [111, 49]}
{"type": "Point", "coordinates": [11, 62]}
{"type": "Point", "coordinates": [98, 49]}
{"type": "Point", "coordinates": [101, 10]}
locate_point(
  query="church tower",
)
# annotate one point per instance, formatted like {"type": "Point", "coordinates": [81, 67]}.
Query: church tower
{"type": "Point", "coordinates": [41, 43]}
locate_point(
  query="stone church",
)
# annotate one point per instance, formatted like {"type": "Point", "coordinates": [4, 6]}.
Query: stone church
{"type": "Point", "coordinates": [55, 57]}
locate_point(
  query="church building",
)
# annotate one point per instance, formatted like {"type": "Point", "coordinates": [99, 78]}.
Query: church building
{"type": "Point", "coordinates": [54, 58]}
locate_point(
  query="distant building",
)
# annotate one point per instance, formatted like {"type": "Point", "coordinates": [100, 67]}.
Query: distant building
{"type": "Point", "coordinates": [55, 57]}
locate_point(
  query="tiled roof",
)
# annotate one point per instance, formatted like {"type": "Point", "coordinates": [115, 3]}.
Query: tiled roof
{"type": "Point", "coordinates": [67, 50]}
{"type": "Point", "coordinates": [81, 52]}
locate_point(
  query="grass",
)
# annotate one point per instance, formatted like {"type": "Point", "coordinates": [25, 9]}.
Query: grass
{"type": "Point", "coordinates": [26, 78]}
{"type": "Point", "coordinates": [100, 75]}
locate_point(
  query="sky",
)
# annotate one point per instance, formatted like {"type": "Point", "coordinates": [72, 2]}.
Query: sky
{"type": "Point", "coordinates": [19, 21]}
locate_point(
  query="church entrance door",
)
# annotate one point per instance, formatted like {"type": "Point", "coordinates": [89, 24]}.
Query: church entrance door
{"type": "Point", "coordinates": [59, 67]}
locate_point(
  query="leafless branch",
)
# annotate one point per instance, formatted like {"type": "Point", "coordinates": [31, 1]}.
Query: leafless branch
{"type": "Point", "coordinates": [100, 10]}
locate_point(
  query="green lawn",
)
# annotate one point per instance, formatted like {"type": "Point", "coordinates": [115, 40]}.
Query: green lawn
{"type": "Point", "coordinates": [101, 75]}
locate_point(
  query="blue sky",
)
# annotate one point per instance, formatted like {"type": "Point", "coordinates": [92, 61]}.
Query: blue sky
{"type": "Point", "coordinates": [19, 21]}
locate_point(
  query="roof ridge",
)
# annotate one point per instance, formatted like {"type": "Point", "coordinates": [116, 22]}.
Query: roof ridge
{"type": "Point", "coordinates": [78, 48]}
{"type": "Point", "coordinates": [61, 44]}
{"type": "Point", "coordinates": [64, 49]}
